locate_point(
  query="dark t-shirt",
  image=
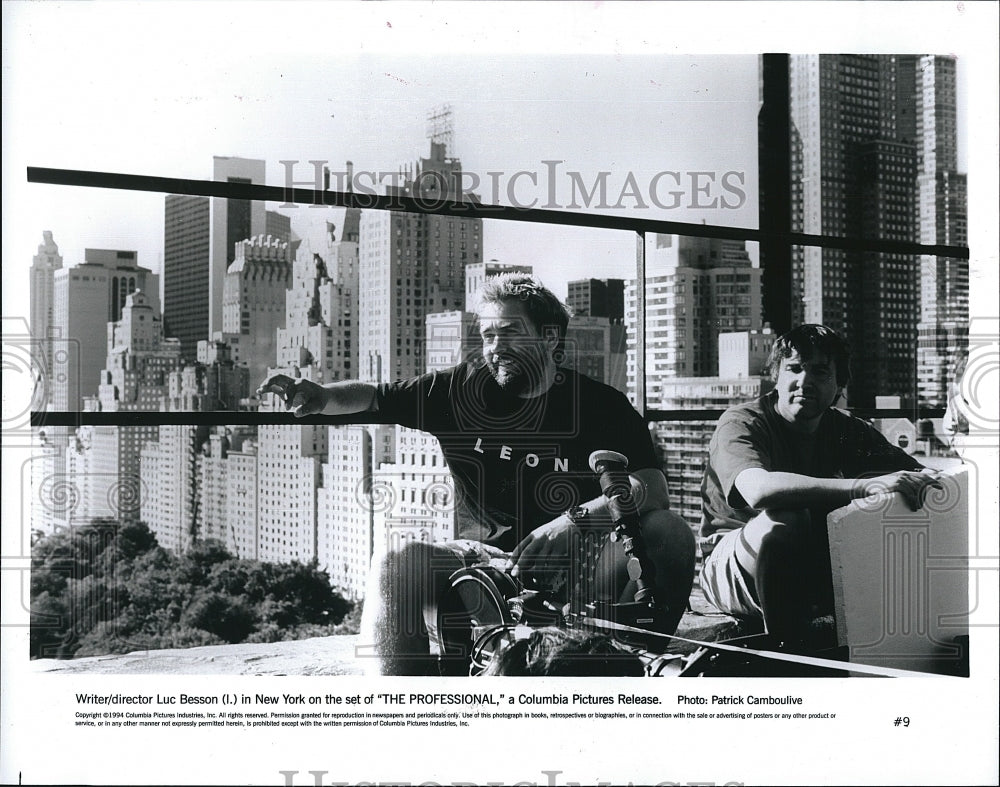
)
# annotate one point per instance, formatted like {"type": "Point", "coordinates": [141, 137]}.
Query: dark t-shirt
{"type": "Point", "coordinates": [755, 435]}
{"type": "Point", "coordinates": [517, 463]}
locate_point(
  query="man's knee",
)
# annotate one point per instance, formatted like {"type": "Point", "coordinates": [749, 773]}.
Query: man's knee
{"type": "Point", "coordinates": [668, 537]}
{"type": "Point", "coordinates": [779, 527]}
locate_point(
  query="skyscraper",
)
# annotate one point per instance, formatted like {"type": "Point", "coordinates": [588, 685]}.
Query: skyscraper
{"type": "Point", "coordinates": [106, 460]}
{"type": "Point", "coordinates": [696, 289]}
{"type": "Point", "coordinates": [87, 297]}
{"type": "Point", "coordinates": [43, 267]}
{"type": "Point", "coordinates": [255, 288]}
{"type": "Point", "coordinates": [233, 220]}
{"type": "Point", "coordinates": [943, 206]}
{"type": "Point", "coordinates": [199, 238]}
{"type": "Point", "coordinates": [597, 298]}
{"type": "Point", "coordinates": [873, 156]}
{"type": "Point", "coordinates": [186, 243]}
{"type": "Point", "coordinates": [412, 265]}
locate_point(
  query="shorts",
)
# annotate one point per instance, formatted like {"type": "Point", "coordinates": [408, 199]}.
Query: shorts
{"type": "Point", "coordinates": [726, 584]}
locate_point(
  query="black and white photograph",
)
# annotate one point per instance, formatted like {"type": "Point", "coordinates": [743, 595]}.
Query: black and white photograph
{"type": "Point", "coordinates": [498, 367]}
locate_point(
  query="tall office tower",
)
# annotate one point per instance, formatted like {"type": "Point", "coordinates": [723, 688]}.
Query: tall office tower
{"type": "Point", "coordinates": [186, 252]}
{"type": "Point", "coordinates": [596, 347]}
{"type": "Point", "coordinates": [233, 220]}
{"type": "Point", "coordinates": [42, 315]}
{"type": "Point", "coordinates": [105, 462]}
{"type": "Point", "coordinates": [279, 226]}
{"type": "Point", "coordinates": [254, 303]}
{"type": "Point", "coordinates": [319, 343]}
{"type": "Point", "coordinates": [943, 211]}
{"type": "Point", "coordinates": [696, 288]}
{"type": "Point", "coordinates": [87, 297]}
{"type": "Point", "coordinates": [602, 298]}
{"type": "Point", "coordinates": [346, 516]}
{"type": "Point", "coordinates": [684, 444]}
{"type": "Point", "coordinates": [124, 277]}
{"type": "Point", "coordinates": [212, 488]}
{"type": "Point", "coordinates": [225, 481]}
{"type": "Point", "coordinates": [49, 462]}
{"type": "Point", "coordinates": [873, 156]}
{"type": "Point", "coordinates": [187, 255]}
{"type": "Point", "coordinates": [411, 265]}
{"type": "Point", "coordinates": [597, 298]}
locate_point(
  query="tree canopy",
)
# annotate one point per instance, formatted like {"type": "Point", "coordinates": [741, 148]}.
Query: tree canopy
{"type": "Point", "coordinates": [110, 588]}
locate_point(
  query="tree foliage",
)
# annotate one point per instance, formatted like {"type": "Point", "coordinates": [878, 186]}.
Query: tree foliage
{"type": "Point", "coordinates": [110, 588]}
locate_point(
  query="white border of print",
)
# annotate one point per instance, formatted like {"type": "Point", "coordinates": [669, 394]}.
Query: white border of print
{"type": "Point", "coordinates": [953, 732]}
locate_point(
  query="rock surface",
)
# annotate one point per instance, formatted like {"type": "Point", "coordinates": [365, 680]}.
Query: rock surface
{"type": "Point", "coordinates": [325, 655]}
{"type": "Point", "coordinates": [317, 656]}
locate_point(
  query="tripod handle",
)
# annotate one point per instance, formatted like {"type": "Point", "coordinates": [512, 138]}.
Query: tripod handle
{"type": "Point", "coordinates": [616, 486]}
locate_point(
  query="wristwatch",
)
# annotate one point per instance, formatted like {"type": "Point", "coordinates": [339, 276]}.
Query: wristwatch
{"type": "Point", "coordinates": [576, 514]}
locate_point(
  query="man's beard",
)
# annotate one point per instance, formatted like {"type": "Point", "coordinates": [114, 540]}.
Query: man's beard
{"type": "Point", "coordinates": [515, 375]}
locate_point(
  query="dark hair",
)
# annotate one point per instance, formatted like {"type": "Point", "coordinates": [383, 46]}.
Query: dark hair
{"type": "Point", "coordinates": [808, 340]}
{"type": "Point", "coordinates": [543, 307]}
{"type": "Point", "coordinates": [566, 653]}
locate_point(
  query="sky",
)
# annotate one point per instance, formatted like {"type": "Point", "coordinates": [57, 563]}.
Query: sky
{"type": "Point", "coordinates": [143, 110]}
{"type": "Point", "coordinates": [143, 89]}
{"type": "Point", "coordinates": [159, 88]}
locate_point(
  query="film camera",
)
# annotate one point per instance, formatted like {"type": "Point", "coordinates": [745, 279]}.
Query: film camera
{"type": "Point", "coordinates": [486, 610]}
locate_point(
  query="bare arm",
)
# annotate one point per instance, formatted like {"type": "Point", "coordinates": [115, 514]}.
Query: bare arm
{"type": "Point", "coordinates": [304, 397]}
{"type": "Point", "coordinates": [763, 489]}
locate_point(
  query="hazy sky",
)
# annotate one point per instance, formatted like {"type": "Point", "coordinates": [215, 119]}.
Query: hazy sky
{"type": "Point", "coordinates": [153, 109]}
{"type": "Point", "coordinates": [148, 89]}
{"type": "Point", "coordinates": [159, 89]}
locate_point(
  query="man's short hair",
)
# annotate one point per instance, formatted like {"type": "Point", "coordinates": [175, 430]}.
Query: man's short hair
{"type": "Point", "coordinates": [552, 651]}
{"type": "Point", "coordinates": [808, 340]}
{"type": "Point", "coordinates": [546, 311]}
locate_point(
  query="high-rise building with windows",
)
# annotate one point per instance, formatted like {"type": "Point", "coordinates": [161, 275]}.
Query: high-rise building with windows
{"type": "Point", "coordinates": [943, 211]}
{"type": "Point", "coordinates": [254, 307]}
{"type": "Point", "coordinates": [345, 540]}
{"type": "Point", "coordinates": [86, 298]}
{"type": "Point", "coordinates": [874, 157]}
{"type": "Point", "coordinates": [321, 311]}
{"type": "Point", "coordinates": [597, 298]}
{"type": "Point", "coordinates": [233, 220]}
{"type": "Point", "coordinates": [289, 470]}
{"type": "Point", "coordinates": [696, 289]}
{"type": "Point", "coordinates": [477, 273]}
{"type": "Point", "coordinates": [411, 265]}
{"type": "Point", "coordinates": [186, 244]}
{"type": "Point", "coordinates": [42, 316]}
{"type": "Point", "coordinates": [199, 238]}
{"type": "Point", "coordinates": [49, 460]}
{"type": "Point", "coordinates": [104, 461]}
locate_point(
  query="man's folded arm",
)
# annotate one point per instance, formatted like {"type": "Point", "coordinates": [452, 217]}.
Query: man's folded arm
{"type": "Point", "coordinates": [763, 489]}
{"type": "Point", "coordinates": [767, 489]}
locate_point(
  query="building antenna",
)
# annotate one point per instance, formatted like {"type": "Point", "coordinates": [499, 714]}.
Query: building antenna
{"type": "Point", "coordinates": [441, 127]}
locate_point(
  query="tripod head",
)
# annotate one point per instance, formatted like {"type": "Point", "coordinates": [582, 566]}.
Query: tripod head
{"type": "Point", "coordinates": [612, 470]}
